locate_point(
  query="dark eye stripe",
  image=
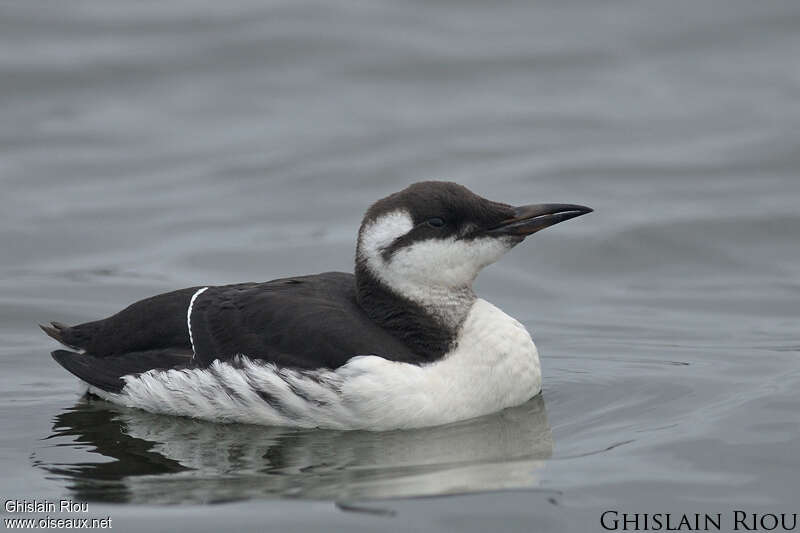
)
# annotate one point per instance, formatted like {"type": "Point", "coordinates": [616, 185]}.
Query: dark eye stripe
{"type": "Point", "coordinates": [436, 222]}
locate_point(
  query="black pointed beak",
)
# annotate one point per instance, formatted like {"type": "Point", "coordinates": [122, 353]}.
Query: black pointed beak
{"type": "Point", "coordinates": [528, 219]}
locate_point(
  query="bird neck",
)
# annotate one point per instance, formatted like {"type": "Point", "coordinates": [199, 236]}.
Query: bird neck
{"type": "Point", "coordinates": [427, 320]}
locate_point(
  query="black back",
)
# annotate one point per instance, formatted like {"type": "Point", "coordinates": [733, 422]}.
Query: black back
{"type": "Point", "coordinates": [304, 322]}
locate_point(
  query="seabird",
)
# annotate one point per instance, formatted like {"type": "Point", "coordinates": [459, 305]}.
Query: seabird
{"type": "Point", "coordinates": [402, 343]}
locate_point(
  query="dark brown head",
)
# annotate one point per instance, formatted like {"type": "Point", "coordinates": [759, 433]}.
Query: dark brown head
{"type": "Point", "coordinates": [439, 235]}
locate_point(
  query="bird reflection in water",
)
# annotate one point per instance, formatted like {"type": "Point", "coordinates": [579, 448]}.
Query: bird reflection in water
{"type": "Point", "coordinates": [115, 454]}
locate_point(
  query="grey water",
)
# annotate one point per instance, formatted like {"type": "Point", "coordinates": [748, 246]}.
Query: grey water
{"type": "Point", "coordinates": [147, 146]}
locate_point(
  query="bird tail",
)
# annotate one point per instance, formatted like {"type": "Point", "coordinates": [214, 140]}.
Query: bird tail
{"type": "Point", "coordinates": [66, 335]}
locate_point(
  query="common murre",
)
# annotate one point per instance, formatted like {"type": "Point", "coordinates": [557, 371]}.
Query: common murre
{"type": "Point", "coordinates": [403, 343]}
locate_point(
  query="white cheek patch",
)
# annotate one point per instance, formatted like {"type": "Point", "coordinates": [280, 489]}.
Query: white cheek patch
{"type": "Point", "coordinates": [381, 233]}
{"type": "Point", "coordinates": [448, 262]}
{"type": "Point", "coordinates": [433, 264]}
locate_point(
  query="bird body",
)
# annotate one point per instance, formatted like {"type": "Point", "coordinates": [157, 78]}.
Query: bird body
{"type": "Point", "coordinates": [404, 342]}
{"type": "Point", "coordinates": [495, 365]}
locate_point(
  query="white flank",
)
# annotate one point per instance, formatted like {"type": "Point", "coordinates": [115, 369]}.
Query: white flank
{"type": "Point", "coordinates": [494, 365]}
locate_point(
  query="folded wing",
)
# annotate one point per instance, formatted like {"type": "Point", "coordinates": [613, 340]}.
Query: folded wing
{"type": "Point", "coordinates": [306, 322]}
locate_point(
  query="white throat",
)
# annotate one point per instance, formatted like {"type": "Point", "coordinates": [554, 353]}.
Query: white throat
{"type": "Point", "coordinates": [435, 273]}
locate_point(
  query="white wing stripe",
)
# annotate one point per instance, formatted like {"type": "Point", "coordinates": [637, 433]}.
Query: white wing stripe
{"type": "Point", "coordinates": [189, 315]}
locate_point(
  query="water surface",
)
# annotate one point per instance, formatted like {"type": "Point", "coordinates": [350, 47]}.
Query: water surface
{"type": "Point", "coordinates": [154, 145]}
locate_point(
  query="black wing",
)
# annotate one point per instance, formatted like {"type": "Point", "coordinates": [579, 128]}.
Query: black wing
{"type": "Point", "coordinates": [106, 372]}
{"type": "Point", "coordinates": [149, 334]}
{"type": "Point", "coordinates": [154, 323]}
{"type": "Point", "coordinates": [305, 322]}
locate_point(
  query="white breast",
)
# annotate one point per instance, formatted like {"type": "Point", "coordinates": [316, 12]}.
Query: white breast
{"type": "Point", "coordinates": [493, 366]}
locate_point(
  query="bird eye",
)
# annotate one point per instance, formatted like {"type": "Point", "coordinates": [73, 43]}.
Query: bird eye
{"type": "Point", "coordinates": [435, 222]}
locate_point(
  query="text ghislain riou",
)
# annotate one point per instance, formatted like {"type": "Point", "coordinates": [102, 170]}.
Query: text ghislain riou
{"type": "Point", "coordinates": [45, 506]}
{"type": "Point", "coordinates": [735, 521]}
